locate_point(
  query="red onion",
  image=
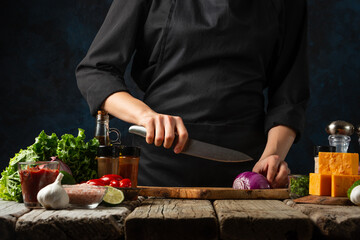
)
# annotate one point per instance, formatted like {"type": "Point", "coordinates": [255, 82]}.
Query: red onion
{"type": "Point", "coordinates": [250, 180]}
{"type": "Point", "coordinates": [63, 166]}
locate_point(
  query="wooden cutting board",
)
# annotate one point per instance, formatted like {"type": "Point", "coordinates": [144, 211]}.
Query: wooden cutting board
{"type": "Point", "coordinates": [212, 193]}
{"type": "Point", "coordinates": [324, 200]}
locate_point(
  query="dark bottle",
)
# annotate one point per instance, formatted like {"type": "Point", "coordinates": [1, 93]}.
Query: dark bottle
{"type": "Point", "coordinates": [102, 129]}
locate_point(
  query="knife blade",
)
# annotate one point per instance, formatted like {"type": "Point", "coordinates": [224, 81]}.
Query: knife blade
{"type": "Point", "coordinates": [203, 150]}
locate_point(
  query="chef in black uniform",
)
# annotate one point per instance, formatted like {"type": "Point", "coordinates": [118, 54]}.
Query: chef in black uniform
{"type": "Point", "coordinates": [203, 66]}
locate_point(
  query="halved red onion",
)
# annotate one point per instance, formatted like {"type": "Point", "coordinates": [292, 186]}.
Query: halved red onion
{"type": "Point", "coordinates": [250, 180]}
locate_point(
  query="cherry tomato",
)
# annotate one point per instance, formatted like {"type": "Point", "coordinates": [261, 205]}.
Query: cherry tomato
{"type": "Point", "coordinates": [96, 182]}
{"type": "Point", "coordinates": [114, 183]}
{"type": "Point", "coordinates": [107, 178]}
{"type": "Point", "coordinates": [125, 183]}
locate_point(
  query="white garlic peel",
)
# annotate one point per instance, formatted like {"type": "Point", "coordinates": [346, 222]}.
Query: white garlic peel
{"type": "Point", "coordinates": [53, 196]}
{"type": "Point", "coordinates": [355, 195]}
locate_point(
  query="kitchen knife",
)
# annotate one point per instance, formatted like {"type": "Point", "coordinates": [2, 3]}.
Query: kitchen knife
{"type": "Point", "coordinates": [203, 150]}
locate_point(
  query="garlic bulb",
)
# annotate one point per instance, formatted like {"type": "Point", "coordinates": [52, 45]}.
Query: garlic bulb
{"type": "Point", "coordinates": [53, 196]}
{"type": "Point", "coordinates": [355, 195]}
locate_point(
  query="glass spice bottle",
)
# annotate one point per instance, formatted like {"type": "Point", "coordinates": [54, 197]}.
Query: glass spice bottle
{"type": "Point", "coordinates": [102, 130]}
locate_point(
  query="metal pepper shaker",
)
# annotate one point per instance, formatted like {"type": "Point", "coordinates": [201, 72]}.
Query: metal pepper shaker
{"type": "Point", "coordinates": [340, 132]}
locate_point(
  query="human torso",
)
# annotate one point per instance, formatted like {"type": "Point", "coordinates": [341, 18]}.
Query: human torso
{"type": "Point", "coordinates": [207, 61]}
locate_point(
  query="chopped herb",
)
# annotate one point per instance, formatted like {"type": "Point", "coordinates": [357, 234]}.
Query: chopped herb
{"type": "Point", "coordinates": [299, 186]}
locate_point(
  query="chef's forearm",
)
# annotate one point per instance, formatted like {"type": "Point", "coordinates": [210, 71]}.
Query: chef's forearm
{"type": "Point", "coordinates": [127, 108]}
{"type": "Point", "coordinates": [280, 139]}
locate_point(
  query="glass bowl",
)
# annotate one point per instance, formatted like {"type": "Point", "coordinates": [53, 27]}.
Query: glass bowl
{"type": "Point", "coordinates": [85, 195]}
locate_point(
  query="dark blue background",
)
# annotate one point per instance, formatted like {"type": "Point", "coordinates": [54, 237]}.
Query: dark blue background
{"type": "Point", "coordinates": [42, 42]}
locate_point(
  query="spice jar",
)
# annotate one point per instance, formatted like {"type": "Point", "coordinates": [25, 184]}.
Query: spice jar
{"type": "Point", "coordinates": [129, 163]}
{"type": "Point", "coordinates": [107, 160]}
{"type": "Point", "coordinates": [318, 149]}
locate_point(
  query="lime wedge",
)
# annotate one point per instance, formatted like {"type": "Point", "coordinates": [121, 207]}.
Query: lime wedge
{"type": "Point", "coordinates": [113, 196]}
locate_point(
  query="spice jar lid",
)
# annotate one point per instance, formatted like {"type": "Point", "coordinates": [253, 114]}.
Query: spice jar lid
{"type": "Point", "coordinates": [318, 149]}
{"type": "Point", "coordinates": [108, 151]}
{"type": "Point", "coordinates": [129, 151]}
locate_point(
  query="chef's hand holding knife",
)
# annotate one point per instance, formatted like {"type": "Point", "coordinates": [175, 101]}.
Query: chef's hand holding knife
{"type": "Point", "coordinates": [160, 128]}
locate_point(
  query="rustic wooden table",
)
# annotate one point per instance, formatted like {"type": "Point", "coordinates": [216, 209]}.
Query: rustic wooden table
{"type": "Point", "coordinates": [156, 218]}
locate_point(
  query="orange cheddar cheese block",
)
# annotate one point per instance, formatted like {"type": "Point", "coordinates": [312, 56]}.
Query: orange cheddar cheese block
{"type": "Point", "coordinates": [338, 163]}
{"type": "Point", "coordinates": [341, 183]}
{"type": "Point", "coordinates": [320, 184]}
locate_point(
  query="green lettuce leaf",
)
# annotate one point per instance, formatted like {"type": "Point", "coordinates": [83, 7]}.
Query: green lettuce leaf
{"type": "Point", "coordinates": [43, 148]}
{"type": "Point", "coordinates": [79, 155]}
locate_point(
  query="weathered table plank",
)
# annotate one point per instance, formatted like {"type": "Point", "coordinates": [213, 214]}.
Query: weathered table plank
{"type": "Point", "coordinates": [9, 213]}
{"type": "Point", "coordinates": [183, 219]}
{"type": "Point", "coordinates": [261, 219]}
{"type": "Point", "coordinates": [99, 223]}
{"type": "Point", "coordinates": [340, 222]}
{"type": "Point", "coordinates": [172, 219]}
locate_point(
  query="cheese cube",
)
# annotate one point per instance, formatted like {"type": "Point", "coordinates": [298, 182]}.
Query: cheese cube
{"type": "Point", "coordinates": [320, 184]}
{"type": "Point", "coordinates": [341, 183]}
{"type": "Point", "coordinates": [338, 163]}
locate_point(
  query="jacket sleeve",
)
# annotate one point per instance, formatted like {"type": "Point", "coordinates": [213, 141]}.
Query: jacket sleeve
{"type": "Point", "coordinates": [101, 72]}
{"type": "Point", "coordinates": [288, 91]}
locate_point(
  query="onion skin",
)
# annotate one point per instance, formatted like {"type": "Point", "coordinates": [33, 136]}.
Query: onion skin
{"type": "Point", "coordinates": [250, 180]}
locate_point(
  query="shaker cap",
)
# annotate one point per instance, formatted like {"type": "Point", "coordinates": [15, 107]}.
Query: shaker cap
{"type": "Point", "coordinates": [340, 128]}
{"type": "Point", "coordinates": [108, 151]}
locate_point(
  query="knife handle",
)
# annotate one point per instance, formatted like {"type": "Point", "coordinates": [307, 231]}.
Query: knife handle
{"type": "Point", "coordinates": [138, 130]}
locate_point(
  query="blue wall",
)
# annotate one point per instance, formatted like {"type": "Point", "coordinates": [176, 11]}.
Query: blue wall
{"type": "Point", "coordinates": [43, 41]}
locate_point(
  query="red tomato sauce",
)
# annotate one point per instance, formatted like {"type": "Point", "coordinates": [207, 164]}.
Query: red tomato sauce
{"type": "Point", "coordinates": [34, 179]}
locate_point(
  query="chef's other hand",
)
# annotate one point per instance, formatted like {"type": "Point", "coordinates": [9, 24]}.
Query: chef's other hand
{"type": "Point", "coordinates": [274, 169]}
{"type": "Point", "coordinates": [161, 130]}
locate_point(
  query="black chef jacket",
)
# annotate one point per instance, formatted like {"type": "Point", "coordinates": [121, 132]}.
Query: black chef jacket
{"type": "Point", "coordinates": [208, 61]}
